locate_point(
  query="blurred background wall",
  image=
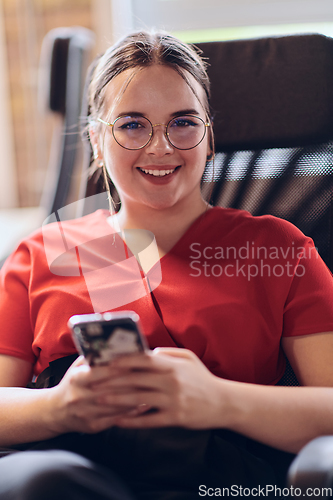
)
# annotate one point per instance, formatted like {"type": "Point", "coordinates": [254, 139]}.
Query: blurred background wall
{"type": "Point", "coordinates": [25, 23]}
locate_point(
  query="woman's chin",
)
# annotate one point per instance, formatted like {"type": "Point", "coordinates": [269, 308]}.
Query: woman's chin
{"type": "Point", "coordinates": [160, 205]}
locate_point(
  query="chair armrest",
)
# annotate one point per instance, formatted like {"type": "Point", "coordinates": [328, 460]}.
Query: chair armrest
{"type": "Point", "coordinates": [313, 466]}
{"type": "Point", "coordinates": [6, 451]}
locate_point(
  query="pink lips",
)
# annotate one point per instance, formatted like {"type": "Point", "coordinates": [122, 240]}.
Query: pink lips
{"type": "Point", "coordinates": [158, 167]}
{"type": "Point", "coordinates": [158, 174]}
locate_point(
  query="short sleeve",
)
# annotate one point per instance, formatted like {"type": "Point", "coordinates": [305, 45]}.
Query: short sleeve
{"type": "Point", "coordinates": [309, 305]}
{"type": "Point", "coordinates": [16, 335]}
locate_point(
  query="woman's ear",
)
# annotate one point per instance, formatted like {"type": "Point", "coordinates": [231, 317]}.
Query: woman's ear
{"type": "Point", "coordinates": [210, 149]}
{"type": "Point", "coordinates": [98, 156]}
{"type": "Point", "coordinates": [210, 145]}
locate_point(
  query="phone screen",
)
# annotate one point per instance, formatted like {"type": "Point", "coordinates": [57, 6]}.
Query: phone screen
{"type": "Point", "coordinates": [103, 337]}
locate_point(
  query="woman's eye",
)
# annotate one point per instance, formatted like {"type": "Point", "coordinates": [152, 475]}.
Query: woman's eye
{"type": "Point", "coordinates": [184, 122]}
{"type": "Point", "coordinates": [131, 126]}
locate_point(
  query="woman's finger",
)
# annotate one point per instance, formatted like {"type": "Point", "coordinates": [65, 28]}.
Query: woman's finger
{"type": "Point", "coordinates": [134, 399]}
{"type": "Point", "coordinates": [130, 381]}
{"type": "Point", "coordinates": [138, 362]}
{"type": "Point", "coordinates": [84, 375]}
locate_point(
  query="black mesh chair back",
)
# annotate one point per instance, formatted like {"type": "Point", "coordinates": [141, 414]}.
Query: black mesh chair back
{"type": "Point", "coordinates": [272, 101]}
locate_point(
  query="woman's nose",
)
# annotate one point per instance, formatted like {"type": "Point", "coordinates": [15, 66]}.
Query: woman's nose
{"type": "Point", "coordinates": [159, 143]}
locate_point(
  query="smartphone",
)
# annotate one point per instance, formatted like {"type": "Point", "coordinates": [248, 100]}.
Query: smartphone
{"type": "Point", "coordinates": [103, 337]}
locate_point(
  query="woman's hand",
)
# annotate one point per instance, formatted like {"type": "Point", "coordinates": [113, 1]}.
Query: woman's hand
{"type": "Point", "coordinates": [77, 402]}
{"type": "Point", "coordinates": [167, 387]}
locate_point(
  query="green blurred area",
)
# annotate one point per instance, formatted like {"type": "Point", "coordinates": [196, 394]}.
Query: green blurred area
{"type": "Point", "coordinates": [242, 32]}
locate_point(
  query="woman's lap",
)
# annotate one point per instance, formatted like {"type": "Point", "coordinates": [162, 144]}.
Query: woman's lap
{"type": "Point", "coordinates": [156, 464]}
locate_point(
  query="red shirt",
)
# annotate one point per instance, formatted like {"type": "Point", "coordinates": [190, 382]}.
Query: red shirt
{"type": "Point", "coordinates": [231, 287]}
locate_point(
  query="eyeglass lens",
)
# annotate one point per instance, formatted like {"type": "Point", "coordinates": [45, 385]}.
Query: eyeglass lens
{"type": "Point", "coordinates": [183, 132]}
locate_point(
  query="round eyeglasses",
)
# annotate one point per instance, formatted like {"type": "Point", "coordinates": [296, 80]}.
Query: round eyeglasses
{"type": "Point", "coordinates": [135, 132]}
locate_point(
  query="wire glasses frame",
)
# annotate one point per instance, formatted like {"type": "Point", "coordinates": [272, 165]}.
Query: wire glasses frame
{"type": "Point", "coordinates": [186, 125]}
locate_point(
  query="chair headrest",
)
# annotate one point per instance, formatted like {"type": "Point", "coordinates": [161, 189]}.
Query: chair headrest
{"type": "Point", "coordinates": [58, 58]}
{"type": "Point", "coordinates": [271, 92]}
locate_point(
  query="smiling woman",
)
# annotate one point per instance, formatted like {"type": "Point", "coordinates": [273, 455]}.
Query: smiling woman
{"type": "Point", "coordinates": [200, 408]}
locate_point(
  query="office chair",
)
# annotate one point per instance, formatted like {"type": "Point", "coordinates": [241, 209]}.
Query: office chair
{"type": "Point", "coordinates": [64, 58]}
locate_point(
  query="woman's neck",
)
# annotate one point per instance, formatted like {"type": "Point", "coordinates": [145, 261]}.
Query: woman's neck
{"type": "Point", "coordinates": [167, 225]}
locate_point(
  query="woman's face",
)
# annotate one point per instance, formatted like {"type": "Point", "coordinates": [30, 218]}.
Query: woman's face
{"type": "Point", "coordinates": [158, 93]}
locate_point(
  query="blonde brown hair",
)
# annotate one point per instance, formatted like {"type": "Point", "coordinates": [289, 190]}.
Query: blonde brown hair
{"type": "Point", "coordinates": [142, 49]}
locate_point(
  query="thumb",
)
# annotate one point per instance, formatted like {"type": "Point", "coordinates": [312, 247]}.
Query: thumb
{"type": "Point", "coordinates": [176, 352]}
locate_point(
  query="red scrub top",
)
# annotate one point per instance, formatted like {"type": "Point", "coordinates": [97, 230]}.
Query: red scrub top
{"type": "Point", "coordinates": [230, 288]}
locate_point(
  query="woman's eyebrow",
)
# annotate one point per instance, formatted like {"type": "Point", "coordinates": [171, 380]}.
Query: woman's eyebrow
{"type": "Point", "coordinates": [185, 112]}
{"type": "Point", "coordinates": [131, 113]}
{"type": "Point", "coordinates": [190, 111]}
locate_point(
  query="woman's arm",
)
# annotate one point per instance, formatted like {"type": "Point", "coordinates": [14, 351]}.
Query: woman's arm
{"type": "Point", "coordinates": [14, 371]}
{"type": "Point", "coordinates": [289, 417]}
{"type": "Point", "coordinates": [311, 357]}
{"type": "Point", "coordinates": [184, 393]}
{"type": "Point", "coordinates": [28, 415]}
{"type": "Point", "coordinates": [23, 412]}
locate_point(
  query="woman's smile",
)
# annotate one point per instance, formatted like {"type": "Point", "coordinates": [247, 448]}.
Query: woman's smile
{"type": "Point", "coordinates": [159, 175]}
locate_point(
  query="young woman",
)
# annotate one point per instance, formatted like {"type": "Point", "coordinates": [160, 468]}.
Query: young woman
{"type": "Point", "coordinates": [201, 409]}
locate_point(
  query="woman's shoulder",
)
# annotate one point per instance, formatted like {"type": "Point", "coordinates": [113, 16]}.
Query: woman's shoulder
{"type": "Point", "coordinates": [57, 235]}
{"type": "Point", "coordinates": [87, 224]}
{"type": "Point", "coordinates": [84, 223]}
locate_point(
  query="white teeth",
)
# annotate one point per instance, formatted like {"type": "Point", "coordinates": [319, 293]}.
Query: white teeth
{"type": "Point", "coordinates": [157, 173]}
